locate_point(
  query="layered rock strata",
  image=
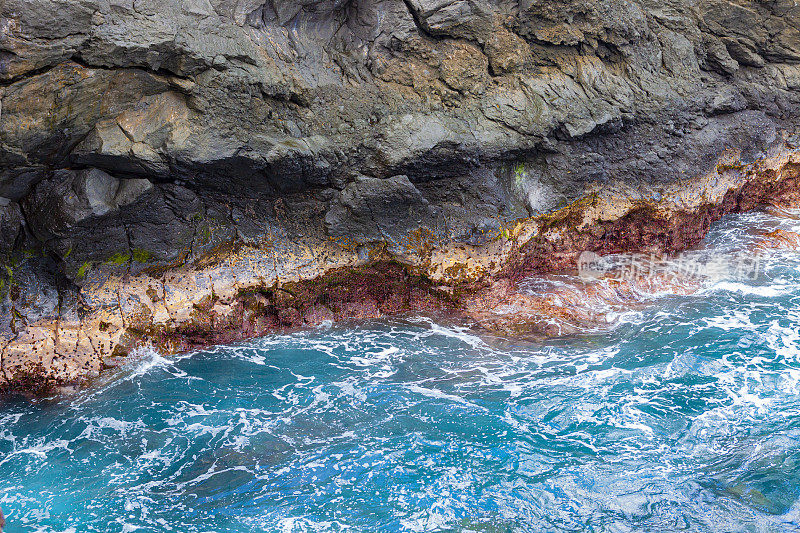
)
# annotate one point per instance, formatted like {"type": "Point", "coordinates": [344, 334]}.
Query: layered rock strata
{"type": "Point", "coordinates": [198, 171]}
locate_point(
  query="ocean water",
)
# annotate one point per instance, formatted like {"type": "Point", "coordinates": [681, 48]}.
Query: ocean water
{"type": "Point", "coordinates": [683, 414]}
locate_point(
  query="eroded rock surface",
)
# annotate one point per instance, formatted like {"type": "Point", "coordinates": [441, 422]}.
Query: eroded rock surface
{"type": "Point", "coordinates": [169, 168]}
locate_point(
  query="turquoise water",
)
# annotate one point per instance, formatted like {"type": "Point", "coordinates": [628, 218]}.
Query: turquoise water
{"type": "Point", "coordinates": [683, 415]}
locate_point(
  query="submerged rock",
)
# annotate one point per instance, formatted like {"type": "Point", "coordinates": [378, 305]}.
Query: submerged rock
{"type": "Point", "coordinates": [780, 239]}
{"type": "Point", "coordinates": [159, 163]}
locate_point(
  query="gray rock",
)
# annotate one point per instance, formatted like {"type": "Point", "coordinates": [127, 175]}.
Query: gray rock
{"type": "Point", "coordinates": [68, 198]}
{"type": "Point", "coordinates": [727, 101]}
{"type": "Point", "coordinates": [380, 210]}
{"type": "Point", "coordinates": [89, 218]}
{"type": "Point", "coordinates": [145, 134]}
{"type": "Point", "coordinates": [130, 190]}
{"type": "Point", "coordinates": [11, 226]}
{"type": "Point", "coordinates": [99, 189]}
{"type": "Point", "coordinates": [744, 52]}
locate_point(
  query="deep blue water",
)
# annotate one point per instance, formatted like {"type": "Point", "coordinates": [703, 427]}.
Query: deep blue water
{"type": "Point", "coordinates": [684, 415]}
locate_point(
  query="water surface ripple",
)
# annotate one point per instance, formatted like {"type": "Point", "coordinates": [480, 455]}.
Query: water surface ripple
{"type": "Point", "coordinates": [685, 416]}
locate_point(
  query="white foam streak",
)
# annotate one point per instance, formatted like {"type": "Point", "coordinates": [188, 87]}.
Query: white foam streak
{"type": "Point", "coordinates": [414, 425]}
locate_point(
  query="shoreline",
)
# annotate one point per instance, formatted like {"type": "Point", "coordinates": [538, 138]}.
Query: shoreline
{"type": "Point", "coordinates": [248, 292]}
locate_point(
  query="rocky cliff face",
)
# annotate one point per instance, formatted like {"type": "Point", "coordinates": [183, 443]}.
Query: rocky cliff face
{"type": "Point", "coordinates": [185, 171]}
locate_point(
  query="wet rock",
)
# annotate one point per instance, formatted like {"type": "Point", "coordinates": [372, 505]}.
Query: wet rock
{"type": "Point", "coordinates": [361, 310]}
{"type": "Point", "coordinates": [780, 239]}
{"type": "Point", "coordinates": [289, 316]}
{"type": "Point", "coordinates": [317, 315]}
{"type": "Point", "coordinates": [571, 305]}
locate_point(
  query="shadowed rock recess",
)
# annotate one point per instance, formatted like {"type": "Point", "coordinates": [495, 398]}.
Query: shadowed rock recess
{"type": "Point", "coordinates": [184, 172]}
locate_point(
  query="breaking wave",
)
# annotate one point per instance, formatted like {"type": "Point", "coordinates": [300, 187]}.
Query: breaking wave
{"type": "Point", "coordinates": [683, 415]}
